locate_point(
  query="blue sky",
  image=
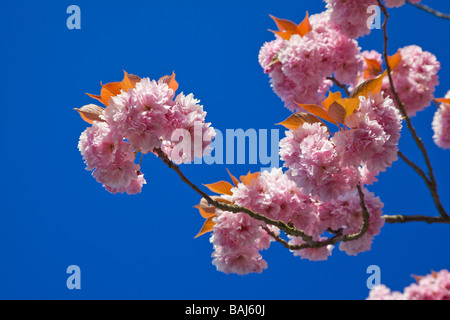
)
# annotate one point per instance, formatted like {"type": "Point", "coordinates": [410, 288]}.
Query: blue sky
{"type": "Point", "coordinates": [53, 214]}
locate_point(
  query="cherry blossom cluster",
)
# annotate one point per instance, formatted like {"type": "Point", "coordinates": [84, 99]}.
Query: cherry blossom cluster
{"type": "Point", "coordinates": [434, 286]}
{"type": "Point", "coordinates": [328, 166]}
{"type": "Point", "coordinates": [238, 239]}
{"type": "Point", "coordinates": [140, 119]}
{"type": "Point", "coordinates": [340, 12]}
{"type": "Point", "coordinates": [441, 124]}
{"type": "Point", "coordinates": [304, 63]}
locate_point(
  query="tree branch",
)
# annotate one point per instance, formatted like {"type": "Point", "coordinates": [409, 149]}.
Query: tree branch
{"type": "Point", "coordinates": [233, 208]}
{"type": "Point", "coordinates": [415, 167]}
{"type": "Point", "coordinates": [340, 85]}
{"type": "Point", "coordinates": [430, 10]}
{"type": "Point", "coordinates": [432, 186]}
{"type": "Point", "coordinates": [415, 218]}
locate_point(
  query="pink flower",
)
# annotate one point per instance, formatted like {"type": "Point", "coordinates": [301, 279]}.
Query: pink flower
{"type": "Point", "coordinates": [299, 67]}
{"type": "Point", "coordinates": [441, 125]}
{"type": "Point", "coordinates": [275, 196]}
{"type": "Point", "coordinates": [415, 79]}
{"type": "Point", "coordinates": [187, 119]}
{"type": "Point", "coordinates": [346, 213]}
{"type": "Point", "coordinates": [140, 114]}
{"type": "Point", "coordinates": [111, 157]}
{"type": "Point", "coordinates": [237, 240]}
{"type": "Point", "coordinates": [350, 16]}
{"type": "Point", "coordinates": [314, 164]}
{"type": "Point", "coordinates": [398, 3]}
{"type": "Point", "coordinates": [312, 254]}
{"type": "Point", "coordinates": [435, 286]}
{"type": "Point", "coordinates": [374, 135]}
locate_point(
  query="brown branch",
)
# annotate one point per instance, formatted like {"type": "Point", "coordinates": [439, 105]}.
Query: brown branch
{"type": "Point", "coordinates": [340, 85]}
{"type": "Point", "coordinates": [415, 218]}
{"type": "Point", "coordinates": [233, 208]}
{"type": "Point", "coordinates": [430, 10]}
{"type": "Point", "coordinates": [366, 218]}
{"type": "Point", "coordinates": [415, 167]}
{"type": "Point", "coordinates": [432, 186]}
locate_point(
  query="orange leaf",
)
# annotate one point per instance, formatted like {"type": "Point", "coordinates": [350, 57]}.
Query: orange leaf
{"type": "Point", "coordinates": [332, 97]}
{"type": "Point", "coordinates": [207, 227]}
{"type": "Point", "coordinates": [318, 111]}
{"type": "Point", "coordinates": [246, 180]}
{"type": "Point", "coordinates": [349, 104]}
{"type": "Point", "coordinates": [170, 80]}
{"type": "Point", "coordinates": [443, 100]}
{"type": "Point", "coordinates": [109, 90]}
{"type": "Point", "coordinates": [206, 210]}
{"type": "Point", "coordinates": [284, 24]}
{"type": "Point", "coordinates": [288, 28]}
{"type": "Point", "coordinates": [91, 113]}
{"type": "Point", "coordinates": [394, 60]}
{"type": "Point", "coordinates": [222, 187]}
{"type": "Point", "coordinates": [368, 86]}
{"type": "Point", "coordinates": [304, 27]}
{"type": "Point", "coordinates": [233, 178]}
{"type": "Point", "coordinates": [129, 81]}
{"type": "Point", "coordinates": [337, 112]}
{"type": "Point", "coordinates": [294, 121]}
{"type": "Point", "coordinates": [99, 98]}
{"type": "Point", "coordinates": [373, 68]}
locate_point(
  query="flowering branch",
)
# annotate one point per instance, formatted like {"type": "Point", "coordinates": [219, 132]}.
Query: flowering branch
{"type": "Point", "coordinates": [432, 185]}
{"type": "Point", "coordinates": [430, 10]}
{"type": "Point", "coordinates": [233, 208]}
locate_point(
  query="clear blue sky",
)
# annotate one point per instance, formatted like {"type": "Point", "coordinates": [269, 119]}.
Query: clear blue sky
{"type": "Point", "coordinates": [53, 214]}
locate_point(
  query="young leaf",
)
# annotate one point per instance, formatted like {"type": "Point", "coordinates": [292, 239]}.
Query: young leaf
{"type": "Point", "coordinates": [207, 227]}
{"type": "Point", "coordinates": [304, 27]}
{"type": "Point", "coordinates": [294, 121]}
{"type": "Point", "coordinates": [332, 97]}
{"type": "Point", "coordinates": [246, 180]}
{"type": "Point", "coordinates": [109, 90]}
{"type": "Point", "coordinates": [318, 111]}
{"type": "Point", "coordinates": [337, 112]}
{"type": "Point", "coordinates": [129, 81]}
{"type": "Point", "coordinates": [170, 80]}
{"type": "Point", "coordinates": [373, 69]}
{"type": "Point", "coordinates": [91, 113]}
{"type": "Point", "coordinates": [288, 28]}
{"type": "Point", "coordinates": [394, 60]}
{"type": "Point", "coordinates": [233, 178]}
{"type": "Point", "coordinates": [443, 100]}
{"type": "Point", "coordinates": [368, 86]}
{"type": "Point", "coordinates": [349, 104]}
{"type": "Point", "coordinates": [222, 187]}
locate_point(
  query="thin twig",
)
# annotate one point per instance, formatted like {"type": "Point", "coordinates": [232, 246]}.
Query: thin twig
{"type": "Point", "coordinates": [233, 208]}
{"type": "Point", "coordinates": [340, 85]}
{"type": "Point", "coordinates": [432, 185]}
{"type": "Point", "coordinates": [430, 10]}
{"type": "Point", "coordinates": [419, 170]}
{"type": "Point", "coordinates": [414, 218]}
{"type": "Point", "coordinates": [366, 218]}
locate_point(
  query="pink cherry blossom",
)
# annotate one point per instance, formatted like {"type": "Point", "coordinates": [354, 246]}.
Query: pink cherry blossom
{"type": "Point", "coordinates": [350, 16]}
{"type": "Point", "coordinates": [415, 79]}
{"type": "Point", "coordinates": [441, 125]}
{"type": "Point", "coordinates": [314, 164]}
{"type": "Point", "coordinates": [434, 286]}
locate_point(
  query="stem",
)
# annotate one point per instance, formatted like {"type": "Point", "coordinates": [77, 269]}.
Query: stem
{"type": "Point", "coordinates": [430, 10]}
{"type": "Point", "coordinates": [233, 208]}
{"type": "Point", "coordinates": [415, 167]}
{"type": "Point", "coordinates": [415, 218]}
{"type": "Point", "coordinates": [432, 180]}
{"type": "Point", "coordinates": [366, 218]}
{"type": "Point", "coordinates": [340, 85]}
